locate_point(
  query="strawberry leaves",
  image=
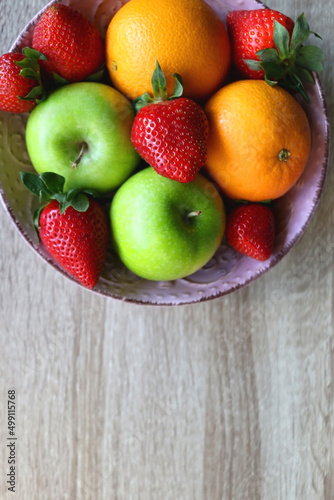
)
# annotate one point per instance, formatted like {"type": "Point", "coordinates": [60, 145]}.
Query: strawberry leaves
{"type": "Point", "coordinates": [97, 77]}
{"type": "Point", "coordinates": [30, 68]}
{"type": "Point", "coordinates": [281, 39]}
{"type": "Point", "coordinates": [50, 186]}
{"type": "Point", "coordinates": [159, 89]}
{"type": "Point", "coordinates": [159, 84]}
{"type": "Point", "coordinates": [33, 70]}
{"type": "Point", "coordinates": [290, 64]}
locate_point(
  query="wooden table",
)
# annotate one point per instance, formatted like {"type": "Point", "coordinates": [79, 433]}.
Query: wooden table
{"type": "Point", "coordinates": [230, 399]}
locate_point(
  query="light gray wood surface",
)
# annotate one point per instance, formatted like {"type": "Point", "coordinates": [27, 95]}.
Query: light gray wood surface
{"type": "Point", "coordinates": [226, 400]}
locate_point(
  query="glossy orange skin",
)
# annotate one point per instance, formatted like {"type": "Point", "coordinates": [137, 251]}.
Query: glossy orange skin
{"type": "Point", "coordinates": [185, 37]}
{"type": "Point", "coordinates": [259, 141]}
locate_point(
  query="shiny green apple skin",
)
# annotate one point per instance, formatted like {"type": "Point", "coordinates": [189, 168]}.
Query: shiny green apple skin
{"type": "Point", "coordinates": [157, 229]}
{"type": "Point", "coordinates": [87, 114]}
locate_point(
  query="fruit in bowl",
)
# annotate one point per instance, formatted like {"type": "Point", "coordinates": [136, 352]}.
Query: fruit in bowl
{"type": "Point", "coordinates": [82, 132]}
{"type": "Point", "coordinates": [163, 229]}
{"type": "Point", "coordinates": [260, 140]}
{"type": "Point", "coordinates": [187, 38]}
{"type": "Point", "coordinates": [223, 269]}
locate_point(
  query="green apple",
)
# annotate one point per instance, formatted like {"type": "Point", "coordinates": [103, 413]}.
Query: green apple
{"type": "Point", "coordinates": [163, 229]}
{"type": "Point", "coordinates": [82, 132]}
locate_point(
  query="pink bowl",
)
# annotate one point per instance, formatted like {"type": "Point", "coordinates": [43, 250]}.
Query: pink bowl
{"type": "Point", "coordinates": [227, 271]}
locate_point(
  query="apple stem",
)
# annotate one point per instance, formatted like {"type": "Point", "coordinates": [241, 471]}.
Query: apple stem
{"type": "Point", "coordinates": [195, 213]}
{"type": "Point", "coordinates": [82, 152]}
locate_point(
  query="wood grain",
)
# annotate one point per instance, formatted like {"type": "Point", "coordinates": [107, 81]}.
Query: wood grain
{"type": "Point", "coordinates": [230, 399]}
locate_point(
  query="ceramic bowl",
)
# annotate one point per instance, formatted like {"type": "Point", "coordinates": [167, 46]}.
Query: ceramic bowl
{"type": "Point", "coordinates": [227, 271]}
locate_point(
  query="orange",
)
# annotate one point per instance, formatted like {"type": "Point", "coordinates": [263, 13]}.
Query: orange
{"type": "Point", "coordinates": [259, 141]}
{"type": "Point", "coordinates": [185, 36]}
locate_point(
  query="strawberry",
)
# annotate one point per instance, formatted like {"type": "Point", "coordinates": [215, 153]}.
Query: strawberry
{"type": "Point", "coordinates": [72, 44]}
{"type": "Point", "coordinates": [20, 81]}
{"type": "Point", "coordinates": [72, 227]}
{"type": "Point", "coordinates": [267, 44]}
{"type": "Point", "coordinates": [170, 133]}
{"type": "Point", "coordinates": [250, 229]}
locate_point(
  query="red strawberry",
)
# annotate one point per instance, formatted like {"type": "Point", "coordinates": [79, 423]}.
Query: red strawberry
{"type": "Point", "coordinates": [250, 229]}
{"type": "Point", "coordinates": [268, 44]}
{"type": "Point", "coordinates": [72, 227]}
{"type": "Point", "coordinates": [76, 240]}
{"type": "Point", "coordinates": [171, 135]}
{"type": "Point", "coordinates": [72, 44]}
{"type": "Point", "coordinates": [251, 31]}
{"type": "Point", "coordinates": [14, 86]}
